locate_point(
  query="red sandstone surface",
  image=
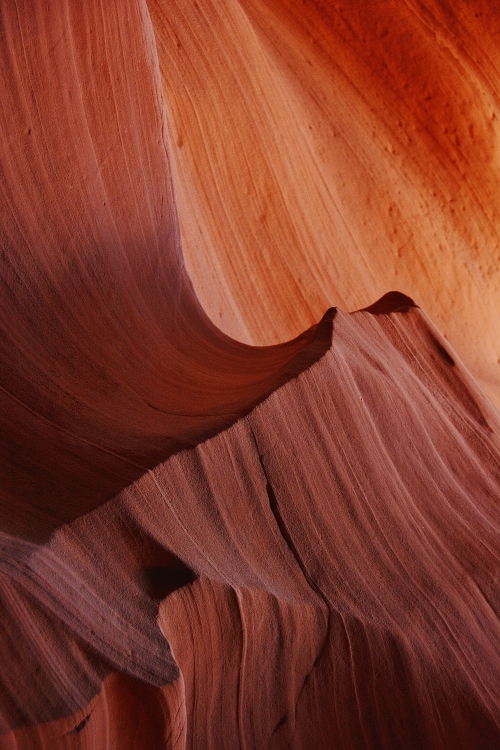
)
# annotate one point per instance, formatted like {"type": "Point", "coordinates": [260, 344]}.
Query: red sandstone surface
{"type": "Point", "coordinates": [232, 514]}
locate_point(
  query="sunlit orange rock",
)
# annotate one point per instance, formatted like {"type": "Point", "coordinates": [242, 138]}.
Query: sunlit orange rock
{"type": "Point", "coordinates": [219, 530]}
{"type": "Point", "coordinates": [324, 153]}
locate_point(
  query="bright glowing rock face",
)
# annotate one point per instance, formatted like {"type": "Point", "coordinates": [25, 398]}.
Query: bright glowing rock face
{"type": "Point", "coordinates": [219, 530]}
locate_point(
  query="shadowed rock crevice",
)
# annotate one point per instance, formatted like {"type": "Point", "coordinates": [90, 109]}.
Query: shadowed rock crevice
{"type": "Point", "coordinates": [159, 581]}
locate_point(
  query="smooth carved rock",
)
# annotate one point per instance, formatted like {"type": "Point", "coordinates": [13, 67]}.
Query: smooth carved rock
{"type": "Point", "coordinates": [259, 541]}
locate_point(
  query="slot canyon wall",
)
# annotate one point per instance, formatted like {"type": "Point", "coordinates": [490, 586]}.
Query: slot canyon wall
{"type": "Point", "coordinates": [249, 492]}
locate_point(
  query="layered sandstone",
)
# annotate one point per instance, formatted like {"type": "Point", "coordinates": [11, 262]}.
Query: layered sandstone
{"type": "Point", "coordinates": [228, 518]}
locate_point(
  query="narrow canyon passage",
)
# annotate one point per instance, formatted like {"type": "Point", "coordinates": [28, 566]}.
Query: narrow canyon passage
{"type": "Point", "coordinates": [234, 513]}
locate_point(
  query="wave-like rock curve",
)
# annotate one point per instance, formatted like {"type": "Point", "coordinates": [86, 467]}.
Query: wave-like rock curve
{"type": "Point", "coordinates": [206, 543]}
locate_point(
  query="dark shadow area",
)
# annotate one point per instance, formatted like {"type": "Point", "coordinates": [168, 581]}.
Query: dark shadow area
{"type": "Point", "coordinates": [159, 581]}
